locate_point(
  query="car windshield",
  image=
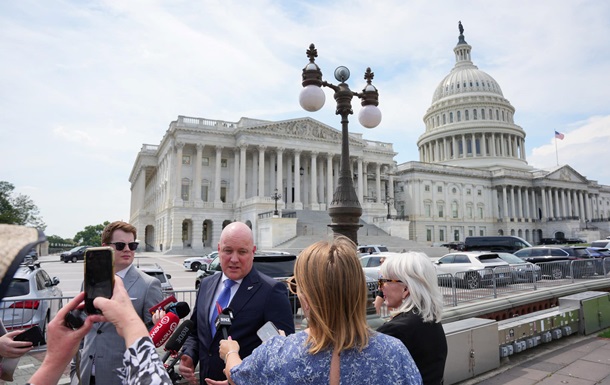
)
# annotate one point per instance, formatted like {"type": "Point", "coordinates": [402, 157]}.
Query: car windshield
{"type": "Point", "coordinates": [75, 249]}
{"type": "Point", "coordinates": [18, 287]}
{"type": "Point", "coordinates": [157, 274]}
{"type": "Point", "coordinates": [489, 258]}
{"type": "Point", "coordinates": [510, 258]}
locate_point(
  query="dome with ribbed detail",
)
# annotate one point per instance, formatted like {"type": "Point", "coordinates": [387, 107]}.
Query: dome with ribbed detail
{"type": "Point", "coordinates": [466, 78]}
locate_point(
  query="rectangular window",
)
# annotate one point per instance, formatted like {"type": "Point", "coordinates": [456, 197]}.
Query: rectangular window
{"type": "Point", "coordinates": [479, 192]}
{"type": "Point", "coordinates": [482, 232]}
{"type": "Point", "coordinates": [186, 159]}
{"type": "Point", "coordinates": [441, 211]}
{"type": "Point", "coordinates": [428, 210]}
{"type": "Point", "coordinates": [223, 194]}
{"type": "Point", "coordinates": [480, 212]}
{"type": "Point", "coordinates": [185, 192]}
{"type": "Point", "coordinates": [467, 191]}
{"type": "Point", "coordinates": [441, 235]}
{"type": "Point", "coordinates": [204, 193]}
{"type": "Point", "coordinates": [454, 210]}
{"type": "Point", "coordinates": [440, 189]}
{"type": "Point", "coordinates": [459, 116]}
{"type": "Point", "coordinates": [429, 235]}
{"type": "Point", "coordinates": [223, 163]}
{"type": "Point", "coordinates": [474, 114]}
{"type": "Point", "coordinates": [470, 232]}
{"type": "Point", "coordinates": [205, 161]}
{"type": "Point", "coordinates": [427, 188]}
{"type": "Point", "coordinates": [466, 115]}
{"type": "Point", "coordinates": [456, 235]}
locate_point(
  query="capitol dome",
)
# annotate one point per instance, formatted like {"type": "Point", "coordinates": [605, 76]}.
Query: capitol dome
{"type": "Point", "coordinates": [470, 123]}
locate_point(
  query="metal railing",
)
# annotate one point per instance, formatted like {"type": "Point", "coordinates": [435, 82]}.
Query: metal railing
{"type": "Point", "coordinates": [465, 286]}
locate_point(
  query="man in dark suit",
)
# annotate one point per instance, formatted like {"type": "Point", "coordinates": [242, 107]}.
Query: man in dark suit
{"type": "Point", "coordinates": [103, 347]}
{"type": "Point", "coordinates": [254, 298]}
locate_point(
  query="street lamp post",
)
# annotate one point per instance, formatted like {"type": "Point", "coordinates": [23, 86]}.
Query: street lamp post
{"type": "Point", "coordinates": [388, 200]}
{"type": "Point", "coordinates": [276, 197]}
{"type": "Point", "coordinates": [345, 209]}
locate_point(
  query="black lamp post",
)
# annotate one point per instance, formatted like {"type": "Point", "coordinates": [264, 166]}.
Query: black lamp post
{"type": "Point", "coordinates": [388, 201]}
{"type": "Point", "coordinates": [276, 197]}
{"type": "Point", "coordinates": [345, 209]}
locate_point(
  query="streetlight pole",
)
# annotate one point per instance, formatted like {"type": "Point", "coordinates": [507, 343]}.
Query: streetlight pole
{"type": "Point", "coordinates": [345, 209]}
{"type": "Point", "coordinates": [388, 200]}
{"type": "Point", "coordinates": [276, 197]}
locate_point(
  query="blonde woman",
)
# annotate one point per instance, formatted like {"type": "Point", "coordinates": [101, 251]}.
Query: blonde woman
{"type": "Point", "coordinates": [409, 285]}
{"type": "Point", "coordinates": [337, 347]}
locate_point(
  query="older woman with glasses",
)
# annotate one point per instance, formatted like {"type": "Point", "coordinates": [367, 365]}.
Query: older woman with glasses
{"type": "Point", "coordinates": [409, 285]}
{"type": "Point", "coordinates": [337, 347]}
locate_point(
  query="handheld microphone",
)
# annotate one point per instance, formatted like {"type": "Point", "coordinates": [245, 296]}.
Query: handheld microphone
{"type": "Point", "coordinates": [164, 329]}
{"type": "Point", "coordinates": [175, 342]}
{"type": "Point", "coordinates": [224, 321]}
{"type": "Point", "coordinates": [163, 304]}
{"type": "Point", "coordinates": [181, 309]}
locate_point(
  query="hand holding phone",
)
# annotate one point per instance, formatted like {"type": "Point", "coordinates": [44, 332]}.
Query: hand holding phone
{"type": "Point", "coordinates": [99, 276]}
{"type": "Point", "coordinates": [267, 331]}
{"type": "Point", "coordinates": [33, 335]}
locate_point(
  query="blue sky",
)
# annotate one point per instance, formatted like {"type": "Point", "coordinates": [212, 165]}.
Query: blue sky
{"type": "Point", "coordinates": [86, 83]}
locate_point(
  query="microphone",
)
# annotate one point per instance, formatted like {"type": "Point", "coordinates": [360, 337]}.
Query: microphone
{"type": "Point", "coordinates": [173, 345]}
{"type": "Point", "coordinates": [224, 321]}
{"type": "Point", "coordinates": [163, 304]}
{"type": "Point", "coordinates": [164, 329]}
{"type": "Point", "coordinates": [166, 325]}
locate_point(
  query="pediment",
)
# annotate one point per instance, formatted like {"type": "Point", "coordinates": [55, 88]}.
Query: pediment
{"type": "Point", "coordinates": [566, 174]}
{"type": "Point", "coordinates": [308, 129]}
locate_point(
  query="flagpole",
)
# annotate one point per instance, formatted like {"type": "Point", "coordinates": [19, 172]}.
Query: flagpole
{"type": "Point", "coordinates": [556, 152]}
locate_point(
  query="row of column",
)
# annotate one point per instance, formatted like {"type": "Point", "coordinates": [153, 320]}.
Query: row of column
{"type": "Point", "coordinates": [456, 147]}
{"type": "Point", "coordinates": [520, 202]}
{"type": "Point", "coordinates": [323, 176]}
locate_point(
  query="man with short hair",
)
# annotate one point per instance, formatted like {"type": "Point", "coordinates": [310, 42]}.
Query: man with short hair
{"type": "Point", "coordinates": [253, 297]}
{"type": "Point", "coordinates": [102, 351]}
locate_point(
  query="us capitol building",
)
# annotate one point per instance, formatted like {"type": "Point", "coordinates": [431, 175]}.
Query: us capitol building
{"type": "Point", "coordinates": [472, 177]}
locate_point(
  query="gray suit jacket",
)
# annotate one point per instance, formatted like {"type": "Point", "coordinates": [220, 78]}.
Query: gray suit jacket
{"type": "Point", "coordinates": [103, 344]}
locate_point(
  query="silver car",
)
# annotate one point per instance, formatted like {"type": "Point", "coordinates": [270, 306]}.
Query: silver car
{"type": "Point", "coordinates": [33, 298]}
{"type": "Point", "coordinates": [474, 269]}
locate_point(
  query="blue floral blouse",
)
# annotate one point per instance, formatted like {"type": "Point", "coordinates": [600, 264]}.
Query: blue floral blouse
{"type": "Point", "coordinates": [285, 360]}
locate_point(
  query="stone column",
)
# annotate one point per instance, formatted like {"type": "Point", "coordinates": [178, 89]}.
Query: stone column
{"type": "Point", "coordinates": [179, 147]}
{"type": "Point", "coordinates": [217, 201]}
{"type": "Point", "coordinates": [298, 205]}
{"type": "Point", "coordinates": [556, 202]}
{"type": "Point", "coordinates": [313, 190]}
{"type": "Point", "coordinates": [513, 208]}
{"type": "Point", "coordinates": [360, 181]}
{"type": "Point", "coordinates": [242, 172]}
{"type": "Point", "coordinates": [493, 144]}
{"type": "Point", "coordinates": [365, 180]}
{"type": "Point", "coordinates": [235, 175]}
{"type": "Point", "coordinates": [528, 212]}
{"type": "Point", "coordinates": [290, 176]}
{"type": "Point", "coordinates": [197, 179]}
{"type": "Point", "coordinates": [545, 214]}
{"type": "Point", "coordinates": [261, 171]}
{"type": "Point", "coordinates": [280, 171]}
{"type": "Point", "coordinates": [484, 145]}
{"type": "Point", "coordinates": [519, 202]}
{"type": "Point", "coordinates": [329, 179]}
{"type": "Point", "coordinates": [505, 203]}
{"type": "Point", "coordinates": [391, 178]}
{"type": "Point", "coordinates": [253, 191]}
{"type": "Point", "coordinates": [378, 181]}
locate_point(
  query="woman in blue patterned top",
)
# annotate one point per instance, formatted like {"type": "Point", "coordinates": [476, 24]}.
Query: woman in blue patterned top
{"type": "Point", "coordinates": [337, 347]}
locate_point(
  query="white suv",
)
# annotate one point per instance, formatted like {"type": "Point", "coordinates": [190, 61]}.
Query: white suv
{"type": "Point", "coordinates": [371, 249]}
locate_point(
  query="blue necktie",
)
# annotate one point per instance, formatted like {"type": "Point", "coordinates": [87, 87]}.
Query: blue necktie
{"type": "Point", "coordinates": [222, 302]}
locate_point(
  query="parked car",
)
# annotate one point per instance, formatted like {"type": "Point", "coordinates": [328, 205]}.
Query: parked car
{"type": "Point", "coordinates": [474, 269]}
{"type": "Point", "coordinates": [194, 263]}
{"type": "Point", "coordinates": [32, 298]}
{"type": "Point", "coordinates": [155, 270]}
{"type": "Point", "coordinates": [603, 243]}
{"type": "Point", "coordinates": [500, 243]}
{"type": "Point", "coordinates": [561, 256]}
{"type": "Point", "coordinates": [550, 241]}
{"type": "Point", "coordinates": [454, 245]}
{"type": "Point", "coordinates": [522, 271]}
{"type": "Point", "coordinates": [75, 254]}
{"type": "Point", "coordinates": [371, 249]}
{"type": "Point", "coordinates": [372, 262]}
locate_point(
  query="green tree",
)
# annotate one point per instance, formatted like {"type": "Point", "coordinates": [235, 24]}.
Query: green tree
{"type": "Point", "coordinates": [18, 210]}
{"type": "Point", "coordinates": [57, 240]}
{"type": "Point", "coordinates": [91, 235]}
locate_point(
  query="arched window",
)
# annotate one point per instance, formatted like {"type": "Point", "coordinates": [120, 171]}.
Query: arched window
{"type": "Point", "coordinates": [454, 209]}
{"type": "Point", "coordinates": [466, 115]}
{"type": "Point", "coordinates": [185, 193]}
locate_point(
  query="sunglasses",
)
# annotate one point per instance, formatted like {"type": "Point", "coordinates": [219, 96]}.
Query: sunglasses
{"type": "Point", "coordinates": [292, 284]}
{"type": "Point", "coordinates": [384, 281]}
{"type": "Point", "coordinates": [121, 245]}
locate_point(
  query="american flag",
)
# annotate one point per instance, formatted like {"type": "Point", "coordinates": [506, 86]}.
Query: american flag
{"type": "Point", "coordinates": [559, 135]}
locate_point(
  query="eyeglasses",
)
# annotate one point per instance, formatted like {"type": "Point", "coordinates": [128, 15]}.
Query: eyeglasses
{"type": "Point", "coordinates": [121, 245]}
{"type": "Point", "coordinates": [292, 284]}
{"type": "Point", "coordinates": [384, 281]}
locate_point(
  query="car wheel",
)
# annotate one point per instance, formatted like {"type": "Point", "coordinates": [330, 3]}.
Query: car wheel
{"type": "Point", "coordinates": [44, 330]}
{"type": "Point", "coordinates": [473, 280]}
{"type": "Point", "coordinates": [65, 260]}
{"type": "Point", "coordinates": [557, 272]}
{"type": "Point", "coordinates": [195, 266]}
{"type": "Point", "coordinates": [74, 259]}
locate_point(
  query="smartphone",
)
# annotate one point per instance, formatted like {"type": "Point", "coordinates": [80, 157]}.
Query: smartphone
{"type": "Point", "coordinates": [99, 275]}
{"type": "Point", "coordinates": [267, 331]}
{"type": "Point", "coordinates": [33, 335]}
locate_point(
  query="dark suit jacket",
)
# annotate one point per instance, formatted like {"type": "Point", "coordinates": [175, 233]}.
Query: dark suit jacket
{"type": "Point", "coordinates": [425, 341]}
{"type": "Point", "coordinates": [259, 299]}
{"type": "Point", "coordinates": [104, 344]}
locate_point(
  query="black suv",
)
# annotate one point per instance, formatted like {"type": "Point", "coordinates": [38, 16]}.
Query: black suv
{"type": "Point", "coordinates": [561, 255]}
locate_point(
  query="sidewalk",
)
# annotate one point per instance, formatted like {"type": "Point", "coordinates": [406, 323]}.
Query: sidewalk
{"type": "Point", "coordinates": [576, 360]}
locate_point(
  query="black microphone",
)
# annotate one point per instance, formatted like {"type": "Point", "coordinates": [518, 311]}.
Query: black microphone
{"type": "Point", "coordinates": [181, 309]}
{"type": "Point", "coordinates": [178, 338]}
{"type": "Point", "coordinates": [224, 321]}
